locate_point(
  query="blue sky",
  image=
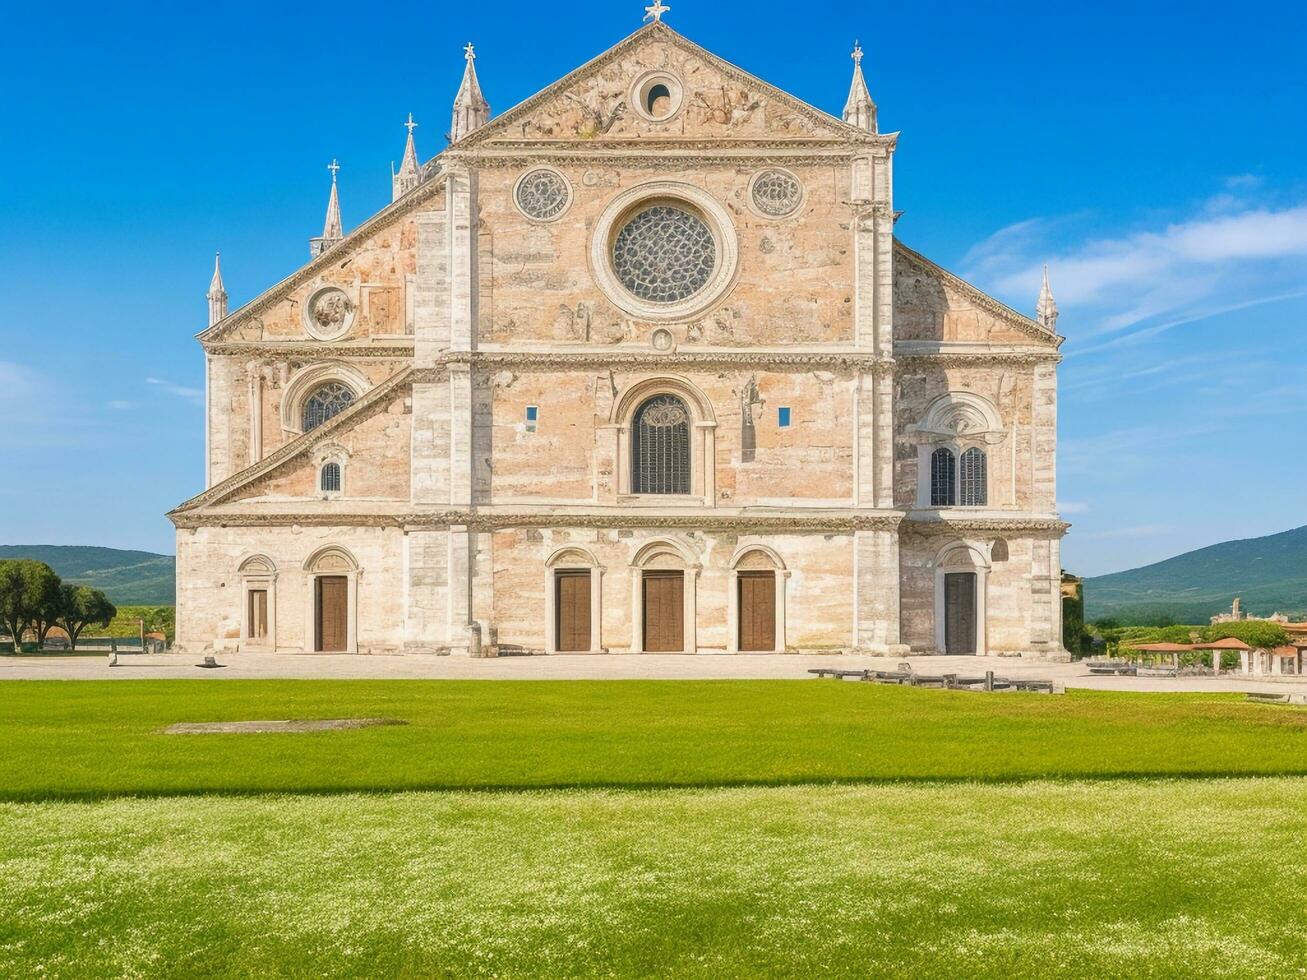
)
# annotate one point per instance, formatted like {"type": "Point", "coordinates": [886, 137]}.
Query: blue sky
{"type": "Point", "coordinates": [1152, 154]}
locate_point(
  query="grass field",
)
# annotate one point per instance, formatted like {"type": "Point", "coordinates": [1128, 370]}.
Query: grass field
{"type": "Point", "coordinates": [685, 828]}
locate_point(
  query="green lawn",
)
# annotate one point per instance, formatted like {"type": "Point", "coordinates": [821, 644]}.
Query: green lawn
{"type": "Point", "coordinates": [700, 829]}
{"type": "Point", "coordinates": [88, 739]}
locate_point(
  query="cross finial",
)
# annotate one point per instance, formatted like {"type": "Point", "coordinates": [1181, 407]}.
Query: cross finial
{"type": "Point", "coordinates": [656, 11]}
{"type": "Point", "coordinates": [333, 167]}
{"type": "Point", "coordinates": [857, 54]}
{"type": "Point", "coordinates": [410, 125]}
{"type": "Point", "coordinates": [468, 53]}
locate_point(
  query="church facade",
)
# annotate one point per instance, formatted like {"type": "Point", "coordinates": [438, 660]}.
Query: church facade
{"type": "Point", "coordinates": [637, 366]}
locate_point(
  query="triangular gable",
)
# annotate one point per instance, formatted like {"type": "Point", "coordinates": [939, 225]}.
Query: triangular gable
{"type": "Point", "coordinates": [220, 492]}
{"type": "Point", "coordinates": [585, 106]}
{"type": "Point", "coordinates": [305, 273]}
{"type": "Point", "coordinates": [981, 299]}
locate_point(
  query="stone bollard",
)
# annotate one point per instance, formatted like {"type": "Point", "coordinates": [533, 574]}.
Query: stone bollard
{"type": "Point", "coordinates": [474, 639]}
{"type": "Point", "coordinates": [989, 680]}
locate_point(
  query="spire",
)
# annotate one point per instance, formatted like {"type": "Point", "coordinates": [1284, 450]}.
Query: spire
{"type": "Point", "coordinates": [409, 176]}
{"type": "Point", "coordinates": [1046, 307]}
{"type": "Point", "coordinates": [471, 111]}
{"type": "Point", "coordinates": [331, 231]}
{"type": "Point", "coordinates": [859, 110]}
{"type": "Point", "coordinates": [217, 294]}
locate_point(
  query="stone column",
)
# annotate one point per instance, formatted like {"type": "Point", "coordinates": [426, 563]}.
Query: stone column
{"type": "Point", "coordinates": [876, 590]}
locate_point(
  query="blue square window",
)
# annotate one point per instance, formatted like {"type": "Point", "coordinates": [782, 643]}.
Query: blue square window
{"type": "Point", "coordinates": [532, 413]}
{"type": "Point", "coordinates": [783, 416]}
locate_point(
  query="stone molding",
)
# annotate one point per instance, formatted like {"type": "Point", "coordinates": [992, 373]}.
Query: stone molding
{"type": "Point", "coordinates": [485, 521]}
{"type": "Point", "coordinates": [994, 525]}
{"type": "Point", "coordinates": [1023, 323]}
{"type": "Point", "coordinates": [590, 357]}
{"type": "Point", "coordinates": [708, 156]}
{"type": "Point", "coordinates": [305, 351]}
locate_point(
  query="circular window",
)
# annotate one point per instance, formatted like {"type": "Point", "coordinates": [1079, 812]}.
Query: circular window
{"type": "Point", "coordinates": [328, 314]}
{"type": "Point", "coordinates": [656, 95]}
{"type": "Point", "coordinates": [542, 194]}
{"type": "Point", "coordinates": [664, 253]}
{"type": "Point", "coordinates": [776, 193]}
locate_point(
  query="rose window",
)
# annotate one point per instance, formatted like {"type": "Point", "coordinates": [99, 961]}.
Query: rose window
{"type": "Point", "coordinates": [542, 194]}
{"type": "Point", "coordinates": [776, 193]}
{"type": "Point", "coordinates": [664, 254]}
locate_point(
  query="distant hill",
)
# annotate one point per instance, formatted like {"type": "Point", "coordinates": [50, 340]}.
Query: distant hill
{"type": "Point", "coordinates": [128, 578]}
{"type": "Point", "coordinates": [1270, 574]}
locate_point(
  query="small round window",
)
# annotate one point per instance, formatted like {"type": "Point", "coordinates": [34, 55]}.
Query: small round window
{"type": "Point", "coordinates": [542, 194]}
{"type": "Point", "coordinates": [776, 193]}
{"type": "Point", "coordinates": [664, 253]}
{"type": "Point", "coordinates": [656, 95]}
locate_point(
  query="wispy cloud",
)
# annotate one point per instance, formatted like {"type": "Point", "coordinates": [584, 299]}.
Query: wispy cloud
{"type": "Point", "coordinates": [1228, 254]}
{"type": "Point", "coordinates": [1072, 507]}
{"type": "Point", "coordinates": [194, 395]}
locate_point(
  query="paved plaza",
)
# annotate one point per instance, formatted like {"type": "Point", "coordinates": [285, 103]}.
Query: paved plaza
{"type": "Point", "coordinates": [647, 666]}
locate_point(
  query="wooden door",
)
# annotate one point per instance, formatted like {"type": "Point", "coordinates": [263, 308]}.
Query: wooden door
{"type": "Point", "coordinates": [332, 613]}
{"type": "Point", "coordinates": [664, 612]}
{"type": "Point", "coordinates": [572, 609]}
{"type": "Point", "coordinates": [258, 614]}
{"type": "Point", "coordinates": [758, 611]}
{"type": "Point", "coordinates": [960, 612]}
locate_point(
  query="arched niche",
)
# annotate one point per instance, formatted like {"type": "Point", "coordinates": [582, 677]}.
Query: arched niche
{"type": "Point", "coordinates": [959, 422]}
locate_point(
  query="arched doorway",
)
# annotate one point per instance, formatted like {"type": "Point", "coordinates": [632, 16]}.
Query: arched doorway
{"type": "Point", "coordinates": [664, 580]}
{"type": "Point", "coordinates": [757, 608]}
{"type": "Point", "coordinates": [333, 601]}
{"type": "Point", "coordinates": [573, 602]}
{"type": "Point", "coordinates": [961, 578]}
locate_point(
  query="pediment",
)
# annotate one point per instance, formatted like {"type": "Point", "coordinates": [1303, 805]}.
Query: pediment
{"type": "Point", "coordinates": [605, 101]}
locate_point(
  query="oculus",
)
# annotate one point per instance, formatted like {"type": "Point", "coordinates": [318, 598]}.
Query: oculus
{"type": "Point", "coordinates": [656, 95]}
{"type": "Point", "coordinates": [776, 193]}
{"type": "Point", "coordinates": [329, 313]}
{"type": "Point", "coordinates": [542, 194]}
{"type": "Point", "coordinates": [664, 253]}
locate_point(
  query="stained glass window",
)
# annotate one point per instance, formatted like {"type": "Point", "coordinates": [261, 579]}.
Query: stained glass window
{"type": "Point", "coordinates": [776, 193]}
{"type": "Point", "coordinates": [973, 491]}
{"type": "Point", "coordinates": [542, 194]}
{"type": "Point", "coordinates": [660, 446]}
{"type": "Point", "coordinates": [328, 401]}
{"type": "Point", "coordinates": [664, 254]}
{"type": "Point", "coordinates": [331, 478]}
{"type": "Point", "coordinates": [943, 478]}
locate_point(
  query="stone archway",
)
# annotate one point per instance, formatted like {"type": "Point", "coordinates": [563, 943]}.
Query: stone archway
{"type": "Point", "coordinates": [961, 588]}
{"type": "Point", "coordinates": [332, 607]}
{"type": "Point", "coordinates": [573, 602]}
{"type": "Point", "coordinates": [758, 585]}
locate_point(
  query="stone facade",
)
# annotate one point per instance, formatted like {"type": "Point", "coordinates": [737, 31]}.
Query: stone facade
{"type": "Point", "coordinates": [488, 362]}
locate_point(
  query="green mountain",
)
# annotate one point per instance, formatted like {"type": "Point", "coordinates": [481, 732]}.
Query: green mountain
{"type": "Point", "coordinates": [1269, 573]}
{"type": "Point", "coordinates": [128, 578]}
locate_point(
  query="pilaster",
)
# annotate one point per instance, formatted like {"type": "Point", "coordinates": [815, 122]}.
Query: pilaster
{"type": "Point", "coordinates": [876, 591]}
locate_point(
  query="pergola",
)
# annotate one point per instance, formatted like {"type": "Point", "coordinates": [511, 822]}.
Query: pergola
{"type": "Point", "coordinates": [1174, 649]}
{"type": "Point", "coordinates": [1230, 643]}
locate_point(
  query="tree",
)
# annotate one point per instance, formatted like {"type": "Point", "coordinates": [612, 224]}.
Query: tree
{"type": "Point", "coordinates": [81, 606]}
{"type": "Point", "coordinates": [28, 591]}
{"type": "Point", "coordinates": [1257, 633]}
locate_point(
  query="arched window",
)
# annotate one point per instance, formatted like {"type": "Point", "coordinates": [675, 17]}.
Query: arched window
{"type": "Point", "coordinates": [943, 478]}
{"type": "Point", "coordinates": [973, 482]}
{"type": "Point", "coordinates": [660, 446]}
{"type": "Point", "coordinates": [329, 481]}
{"type": "Point", "coordinates": [326, 401]}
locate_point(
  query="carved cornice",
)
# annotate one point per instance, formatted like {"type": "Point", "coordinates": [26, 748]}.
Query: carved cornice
{"type": "Point", "coordinates": [482, 521]}
{"type": "Point", "coordinates": [986, 302]}
{"type": "Point", "coordinates": [299, 350]}
{"type": "Point", "coordinates": [653, 157]}
{"type": "Point", "coordinates": [978, 359]}
{"type": "Point", "coordinates": [954, 524]}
